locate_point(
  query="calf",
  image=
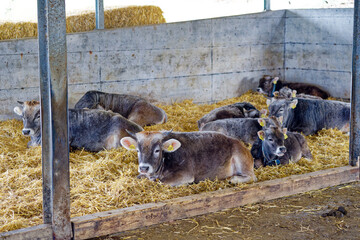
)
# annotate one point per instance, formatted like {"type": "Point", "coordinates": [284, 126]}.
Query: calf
{"type": "Point", "coordinates": [236, 110]}
{"type": "Point", "coordinates": [311, 115]}
{"type": "Point", "coordinates": [286, 92]}
{"type": "Point", "coordinates": [244, 129]}
{"type": "Point", "coordinates": [276, 146]}
{"type": "Point", "coordinates": [91, 129]}
{"type": "Point", "coordinates": [181, 158]}
{"type": "Point", "coordinates": [269, 85]}
{"type": "Point", "coordinates": [134, 108]}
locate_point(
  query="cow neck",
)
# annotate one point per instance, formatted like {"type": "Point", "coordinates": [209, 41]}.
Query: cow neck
{"type": "Point", "coordinates": [160, 169]}
{"type": "Point", "coordinates": [267, 159]}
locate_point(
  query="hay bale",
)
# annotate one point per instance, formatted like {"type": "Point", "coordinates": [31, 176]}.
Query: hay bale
{"type": "Point", "coordinates": [114, 18]}
{"type": "Point", "coordinates": [107, 180]}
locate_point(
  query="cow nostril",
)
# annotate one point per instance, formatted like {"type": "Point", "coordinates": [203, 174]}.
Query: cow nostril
{"type": "Point", "coordinates": [258, 89]}
{"type": "Point", "coordinates": [26, 132]}
{"type": "Point", "coordinates": [144, 169]}
{"type": "Point", "coordinates": [283, 149]}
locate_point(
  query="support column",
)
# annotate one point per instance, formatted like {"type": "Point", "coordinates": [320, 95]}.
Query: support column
{"type": "Point", "coordinates": [53, 89]}
{"type": "Point", "coordinates": [99, 14]}
{"type": "Point", "coordinates": [355, 91]}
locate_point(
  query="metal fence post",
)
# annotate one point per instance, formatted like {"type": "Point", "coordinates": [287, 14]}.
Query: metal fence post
{"type": "Point", "coordinates": [99, 14]}
{"type": "Point", "coordinates": [355, 91]}
{"type": "Point", "coordinates": [267, 5]}
{"type": "Point", "coordinates": [53, 89]}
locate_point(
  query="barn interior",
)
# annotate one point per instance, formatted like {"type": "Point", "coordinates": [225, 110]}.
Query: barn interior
{"type": "Point", "coordinates": [186, 68]}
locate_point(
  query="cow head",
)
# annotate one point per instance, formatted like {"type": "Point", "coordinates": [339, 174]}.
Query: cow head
{"type": "Point", "coordinates": [266, 84]}
{"type": "Point", "coordinates": [281, 107]}
{"type": "Point", "coordinates": [273, 142]}
{"type": "Point", "coordinates": [150, 147]}
{"type": "Point", "coordinates": [30, 113]}
{"type": "Point", "coordinates": [285, 92]}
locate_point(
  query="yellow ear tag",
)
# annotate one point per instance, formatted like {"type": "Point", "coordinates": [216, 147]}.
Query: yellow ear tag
{"type": "Point", "coordinates": [275, 80]}
{"type": "Point", "coordinates": [262, 123]}
{"type": "Point", "coordinates": [294, 95]}
{"type": "Point", "coordinates": [132, 146]}
{"type": "Point", "coordinates": [293, 106]}
{"type": "Point", "coordinates": [263, 116]}
{"type": "Point", "coordinates": [285, 136]}
{"type": "Point", "coordinates": [170, 147]}
{"type": "Point", "coordinates": [261, 137]}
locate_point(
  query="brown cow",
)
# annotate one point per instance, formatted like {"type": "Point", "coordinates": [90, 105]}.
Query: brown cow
{"type": "Point", "coordinates": [177, 158]}
{"type": "Point", "coordinates": [134, 108]}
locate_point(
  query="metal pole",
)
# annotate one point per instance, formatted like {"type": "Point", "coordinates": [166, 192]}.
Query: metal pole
{"type": "Point", "coordinates": [45, 109]}
{"type": "Point", "coordinates": [355, 91]}
{"type": "Point", "coordinates": [99, 14]}
{"type": "Point", "coordinates": [266, 5]}
{"type": "Point", "coordinates": [53, 84]}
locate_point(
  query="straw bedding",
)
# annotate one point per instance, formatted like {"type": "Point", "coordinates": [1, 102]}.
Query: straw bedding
{"type": "Point", "coordinates": [114, 18]}
{"type": "Point", "coordinates": [107, 180]}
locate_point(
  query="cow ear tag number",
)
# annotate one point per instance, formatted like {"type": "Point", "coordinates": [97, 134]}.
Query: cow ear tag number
{"type": "Point", "coordinates": [132, 146]}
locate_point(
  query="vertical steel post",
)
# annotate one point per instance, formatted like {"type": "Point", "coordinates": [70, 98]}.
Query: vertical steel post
{"type": "Point", "coordinates": [266, 5]}
{"type": "Point", "coordinates": [355, 91]}
{"type": "Point", "coordinates": [45, 109]}
{"type": "Point", "coordinates": [99, 14]}
{"type": "Point", "coordinates": [53, 84]}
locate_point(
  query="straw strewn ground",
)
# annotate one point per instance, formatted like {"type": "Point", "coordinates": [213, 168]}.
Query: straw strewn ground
{"type": "Point", "coordinates": [107, 180]}
{"type": "Point", "coordinates": [114, 18]}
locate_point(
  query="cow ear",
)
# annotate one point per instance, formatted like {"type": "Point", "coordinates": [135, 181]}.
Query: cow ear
{"type": "Point", "coordinates": [268, 102]}
{"type": "Point", "coordinates": [280, 119]}
{"type": "Point", "coordinates": [18, 111]}
{"type": "Point", "coordinates": [293, 94]}
{"type": "Point", "coordinates": [262, 122]}
{"type": "Point", "coordinates": [171, 145]}
{"type": "Point", "coordinates": [261, 135]}
{"type": "Point", "coordinates": [276, 93]}
{"type": "Point", "coordinates": [293, 103]}
{"type": "Point", "coordinates": [129, 143]}
{"type": "Point", "coordinates": [284, 132]}
{"type": "Point", "coordinates": [274, 81]}
{"type": "Point", "coordinates": [263, 113]}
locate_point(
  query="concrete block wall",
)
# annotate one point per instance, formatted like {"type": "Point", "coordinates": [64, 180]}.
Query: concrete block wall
{"type": "Point", "coordinates": [205, 60]}
{"type": "Point", "coordinates": [318, 48]}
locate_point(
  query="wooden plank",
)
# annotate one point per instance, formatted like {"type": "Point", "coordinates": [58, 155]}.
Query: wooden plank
{"type": "Point", "coordinates": [120, 220]}
{"type": "Point", "coordinates": [40, 232]}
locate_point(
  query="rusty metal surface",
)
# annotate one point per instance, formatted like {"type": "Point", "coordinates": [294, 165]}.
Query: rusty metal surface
{"type": "Point", "coordinates": [355, 91]}
{"type": "Point", "coordinates": [99, 14]}
{"type": "Point", "coordinates": [53, 74]}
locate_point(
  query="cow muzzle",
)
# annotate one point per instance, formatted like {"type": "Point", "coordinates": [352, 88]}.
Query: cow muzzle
{"type": "Point", "coordinates": [145, 168]}
{"type": "Point", "coordinates": [28, 131]}
{"type": "Point", "coordinates": [280, 151]}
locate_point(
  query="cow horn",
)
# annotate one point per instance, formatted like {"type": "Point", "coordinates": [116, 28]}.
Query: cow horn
{"type": "Point", "coordinates": [168, 132]}
{"type": "Point", "coordinates": [131, 134]}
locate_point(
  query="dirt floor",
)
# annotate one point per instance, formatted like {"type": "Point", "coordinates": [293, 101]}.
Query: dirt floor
{"type": "Point", "coordinates": [300, 216]}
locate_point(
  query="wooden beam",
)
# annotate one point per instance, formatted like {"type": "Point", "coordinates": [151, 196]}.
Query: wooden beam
{"type": "Point", "coordinates": [120, 220]}
{"type": "Point", "coordinates": [40, 232]}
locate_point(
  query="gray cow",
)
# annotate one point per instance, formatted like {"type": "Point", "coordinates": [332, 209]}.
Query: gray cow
{"type": "Point", "coordinates": [311, 115]}
{"type": "Point", "coordinates": [179, 158]}
{"type": "Point", "coordinates": [286, 92]}
{"type": "Point", "coordinates": [134, 108]}
{"type": "Point", "coordinates": [236, 110]}
{"type": "Point", "coordinates": [244, 129]}
{"type": "Point", "coordinates": [91, 129]}
{"type": "Point", "coordinates": [275, 145]}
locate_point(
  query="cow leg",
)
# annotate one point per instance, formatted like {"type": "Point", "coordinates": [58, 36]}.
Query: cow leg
{"type": "Point", "coordinates": [178, 178]}
{"type": "Point", "coordinates": [112, 141]}
{"type": "Point", "coordinates": [243, 166]}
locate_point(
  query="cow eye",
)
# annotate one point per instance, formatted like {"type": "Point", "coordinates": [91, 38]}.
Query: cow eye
{"type": "Point", "coordinates": [270, 139]}
{"type": "Point", "coordinates": [157, 150]}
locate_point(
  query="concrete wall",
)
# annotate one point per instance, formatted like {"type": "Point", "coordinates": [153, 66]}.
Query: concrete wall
{"type": "Point", "coordinates": [318, 48]}
{"type": "Point", "coordinates": [205, 60]}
